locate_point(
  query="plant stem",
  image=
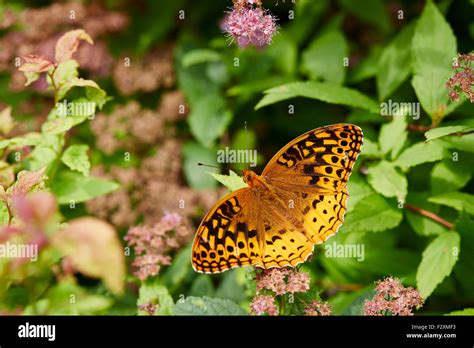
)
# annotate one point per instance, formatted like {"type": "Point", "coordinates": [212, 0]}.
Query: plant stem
{"type": "Point", "coordinates": [419, 128]}
{"type": "Point", "coordinates": [282, 305]}
{"type": "Point", "coordinates": [430, 215]}
{"type": "Point", "coordinates": [54, 86]}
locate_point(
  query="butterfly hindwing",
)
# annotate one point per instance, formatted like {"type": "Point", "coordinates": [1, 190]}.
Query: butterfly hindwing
{"type": "Point", "coordinates": [287, 243]}
{"type": "Point", "coordinates": [228, 235]}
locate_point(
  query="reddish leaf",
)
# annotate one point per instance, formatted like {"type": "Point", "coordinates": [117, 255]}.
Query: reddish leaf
{"type": "Point", "coordinates": [36, 64]}
{"type": "Point", "coordinates": [68, 44]}
{"type": "Point", "coordinates": [27, 181]}
{"type": "Point", "coordinates": [93, 248]}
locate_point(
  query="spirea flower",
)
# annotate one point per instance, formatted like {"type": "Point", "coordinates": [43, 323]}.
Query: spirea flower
{"type": "Point", "coordinates": [262, 304]}
{"type": "Point", "coordinates": [392, 298]}
{"type": "Point", "coordinates": [152, 243]}
{"type": "Point", "coordinates": [316, 308]}
{"type": "Point", "coordinates": [463, 79]}
{"type": "Point", "coordinates": [249, 25]}
{"type": "Point", "coordinates": [282, 281]}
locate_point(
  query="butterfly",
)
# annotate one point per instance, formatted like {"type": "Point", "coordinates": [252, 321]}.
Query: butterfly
{"type": "Point", "coordinates": [298, 201]}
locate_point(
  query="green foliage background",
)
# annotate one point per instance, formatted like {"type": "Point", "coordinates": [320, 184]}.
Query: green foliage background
{"type": "Point", "coordinates": [296, 84]}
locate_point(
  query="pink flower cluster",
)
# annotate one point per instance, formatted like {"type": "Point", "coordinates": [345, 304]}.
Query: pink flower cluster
{"type": "Point", "coordinates": [316, 308]}
{"type": "Point", "coordinates": [152, 243]}
{"type": "Point", "coordinates": [282, 281]}
{"type": "Point", "coordinates": [279, 281]}
{"type": "Point", "coordinates": [249, 25]}
{"type": "Point", "coordinates": [262, 304]}
{"type": "Point", "coordinates": [393, 298]}
{"type": "Point", "coordinates": [463, 78]}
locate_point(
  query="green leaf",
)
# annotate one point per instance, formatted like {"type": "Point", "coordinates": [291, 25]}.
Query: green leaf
{"type": "Point", "coordinates": [371, 149]}
{"type": "Point", "coordinates": [462, 312]}
{"type": "Point", "coordinates": [457, 200]}
{"type": "Point", "coordinates": [202, 286]}
{"type": "Point", "coordinates": [97, 95]}
{"type": "Point", "coordinates": [433, 51]}
{"type": "Point", "coordinates": [75, 157]}
{"type": "Point", "coordinates": [232, 181]}
{"type": "Point", "coordinates": [199, 56]}
{"type": "Point", "coordinates": [307, 16]}
{"type": "Point", "coordinates": [358, 189]}
{"type": "Point", "coordinates": [65, 73]}
{"type": "Point", "coordinates": [4, 214]}
{"type": "Point", "coordinates": [40, 157]}
{"type": "Point", "coordinates": [387, 180]}
{"type": "Point", "coordinates": [31, 77]}
{"type": "Point", "coordinates": [57, 125]}
{"type": "Point", "coordinates": [324, 58]}
{"type": "Point", "coordinates": [464, 143]}
{"type": "Point", "coordinates": [207, 306]}
{"type": "Point", "coordinates": [391, 134]}
{"type": "Point", "coordinates": [421, 224]}
{"type": "Point", "coordinates": [367, 68]}
{"type": "Point", "coordinates": [193, 154]}
{"type": "Point", "coordinates": [29, 139]}
{"type": "Point", "coordinates": [326, 92]}
{"type": "Point", "coordinates": [179, 270]}
{"type": "Point", "coordinates": [374, 213]}
{"type": "Point", "coordinates": [232, 285]}
{"type": "Point", "coordinates": [57, 301]}
{"type": "Point", "coordinates": [284, 52]}
{"type": "Point", "coordinates": [208, 111]}
{"type": "Point", "coordinates": [437, 262]}
{"type": "Point", "coordinates": [394, 63]}
{"type": "Point", "coordinates": [449, 175]}
{"type": "Point", "coordinates": [420, 153]}
{"type": "Point", "coordinates": [157, 295]}
{"type": "Point", "coordinates": [253, 87]}
{"type": "Point", "coordinates": [443, 131]}
{"type": "Point", "coordinates": [463, 269]}
{"type": "Point", "coordinates": [74, 187]}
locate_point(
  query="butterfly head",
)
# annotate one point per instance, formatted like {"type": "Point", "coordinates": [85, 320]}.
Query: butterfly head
{"type": "Point", "coordinates": [250, 177]}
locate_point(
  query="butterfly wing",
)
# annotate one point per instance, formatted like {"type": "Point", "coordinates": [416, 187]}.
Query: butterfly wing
{"type": "Point", "coordinates": [228, 236]}
{"type": "Point", "coordinates": [319, 161]}
{"type": "Point", "coordinates": [309, 175]}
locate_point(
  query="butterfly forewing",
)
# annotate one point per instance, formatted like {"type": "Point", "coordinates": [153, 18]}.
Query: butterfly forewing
{"type": "Point", "coordinates": [319, 161]}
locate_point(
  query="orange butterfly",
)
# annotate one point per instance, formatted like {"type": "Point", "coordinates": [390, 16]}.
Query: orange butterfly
{"type": "Point", "coordinates": [298, 201]}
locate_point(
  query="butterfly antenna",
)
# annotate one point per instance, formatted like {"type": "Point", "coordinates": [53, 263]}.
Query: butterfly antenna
{"type": "Point", "coordinates": [246, 141]}
{"type": "Point", "coordinates": [217, 167]}
{"type": "Point", "coordinates": [208, 165]}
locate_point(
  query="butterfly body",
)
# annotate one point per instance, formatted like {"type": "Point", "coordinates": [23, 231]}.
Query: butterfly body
{"type": "Point", "coordinates": [298, 201]}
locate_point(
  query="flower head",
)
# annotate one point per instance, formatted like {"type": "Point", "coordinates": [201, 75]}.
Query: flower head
{"type": "Point", "coordinates": [249, 25]}
{"type": "Point", "coordinates": [263, 304]}
{"type": "Point", "coordinates": [152, 243]}
{"type": "Point", "coordinates": [463, 78]}
{"type": "Point", "coordinates": [318, 308]}
{"type": "Point", "coordinates": [392, 298]}
{"type": "Point", "coordinates": [283, 280]}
